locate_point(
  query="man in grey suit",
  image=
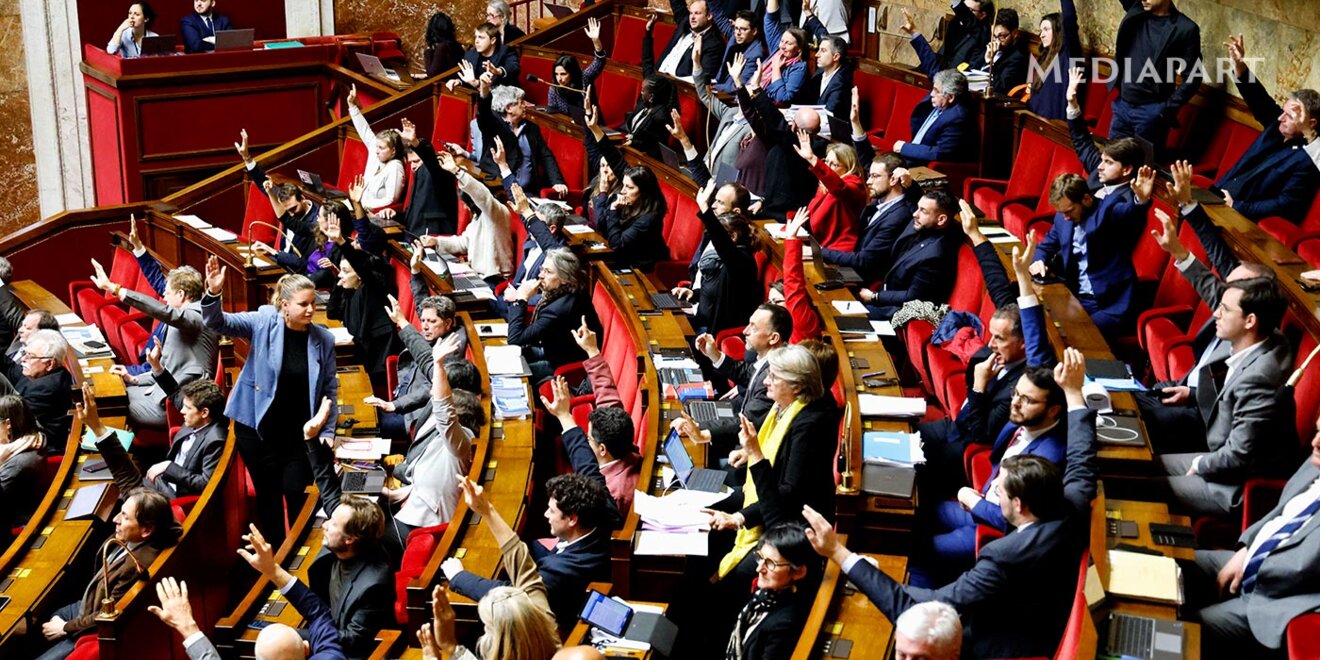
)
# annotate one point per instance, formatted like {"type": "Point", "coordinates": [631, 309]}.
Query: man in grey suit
{"type": "Point", "coordinates": [189, 347]}
{"type": "Point", "coordinates": [726, 141]}
{"type": "Point", "coordinates": [276, 641]}
{"type": "Point", "coordinates": [1273, 576]}
{"type": "Point", "coordinates": [1248, 414]}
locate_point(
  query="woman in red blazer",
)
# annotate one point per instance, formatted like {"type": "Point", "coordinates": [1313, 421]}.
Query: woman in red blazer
{"type": "Point", "coordinates": [837, 207]}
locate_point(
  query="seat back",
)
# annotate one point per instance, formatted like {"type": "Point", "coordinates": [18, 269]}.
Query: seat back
{"type": "Point", "coordinates": [352, 162]}
{"type": "Point", "coordinates": [876, 95]}
{"type": "Point", "coordinates": [258, 210]}
{"type": "Point", "coordinates": [969, 286]}
{"type": "Point", "coordinates": [1306, 394]}
{"type": "Point", "coordinates": [453, 120]}
{"type": "Point", "coordinates": [403, 290]}
{"type": "Point", "coordinates": [533, 63]}
{"type": "Point", "coordinates": [134, 338]}
{"type": "Point", "coordinates": [683, 230]}
{"type": "Point", "coordinates": [616, 93]}
{"type": "Point", "coordinates": [628, 40]}
{"type": "Point", "coordinates": [1031, 167]}
{"type": "Point", "coordinates": [571, 155]}
{"type": "Point", "coordinates": [417, 551]}
{"type": "Point", "coordinates": [898, 126]}
{"type": "Point", "coordinates": [1069, 646]}
{"type": "Point", "coordinates": [113, 319]}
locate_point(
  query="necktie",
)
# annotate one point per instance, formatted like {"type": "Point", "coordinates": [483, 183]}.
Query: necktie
{"type": "Point", "coordinates": [1253, 564]}
{"type": "Point", "coordinates": [209, 28]}
{"type": "Point", "coordinates": [1017, 435]}
{"type": "Point", "coordinates": [930, 119]}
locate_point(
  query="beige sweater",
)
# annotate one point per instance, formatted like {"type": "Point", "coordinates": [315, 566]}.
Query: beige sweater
{"type": "Point", "coordinates": [488, 239]}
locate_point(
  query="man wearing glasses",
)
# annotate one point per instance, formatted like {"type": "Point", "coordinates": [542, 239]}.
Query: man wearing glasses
{"type": "Point", "coordinates": [741, 35]}
{"type": "Point", "coordinates": [1005, 54]}
{"type": "Point", "coordinates": [43, 382]}
{"type": "Point", "coordinates": [942, 128]}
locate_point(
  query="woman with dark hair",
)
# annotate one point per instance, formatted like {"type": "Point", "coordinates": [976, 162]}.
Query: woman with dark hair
{"type": "Point", "coordinates": [1058, 44]}
{"type": "Point", "coordinates": [645, 124]}
{"type": "Point", "coordinates": [547, 337]}
{"type": "Point", "coordinates": [568, 73]}
{"type": "Point", "coordinates": [442, 48]}
{"type": "Point", "coordinates": [289, 368]}
{"type": "Point", "coordinates": [360, 300]}
{"type": "Point", "coordinates": [724, 267]}
{"type": "Point", "coordinates": [787, 571]}
{"type": "Point", "coordinates": [20, 462]}
{"type": "Point", "coordinates": [127, 42]}
{"type": "Point", "coordinates": [634, 221]}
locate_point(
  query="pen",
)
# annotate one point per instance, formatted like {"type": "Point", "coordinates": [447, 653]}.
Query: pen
{"type": "Point", "coordinates": [874, 373]}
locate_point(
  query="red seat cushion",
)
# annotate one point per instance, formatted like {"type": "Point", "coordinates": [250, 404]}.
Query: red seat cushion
{"type": "Point", "coordinates": [352, 162]}
{"type": "Point", "coordinates": [617, 95]}
{"type": "Point", "coordinates": [453, 118]}
{"type": "Point", "coordinates": [259, 210]}
{"type": "Point", "coordinates": [419, 546]}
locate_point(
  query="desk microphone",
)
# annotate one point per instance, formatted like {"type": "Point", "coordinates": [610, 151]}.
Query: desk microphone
{"type": "Point", "coordinates": [538, 79]}
{"type": "Point", "coordinates": [1297, 375]}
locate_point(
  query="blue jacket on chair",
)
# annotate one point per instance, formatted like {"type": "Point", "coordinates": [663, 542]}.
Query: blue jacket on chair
{"type": "Point", "coordinates": [255, 389]}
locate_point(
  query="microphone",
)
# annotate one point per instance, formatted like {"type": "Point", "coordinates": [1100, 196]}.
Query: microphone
{"type": "Point", "coordinates": [107, 604]}
{"type": "Point", "coordinates": [1297, 375]}
{"type": "Point", "coordinates": [537, 79]}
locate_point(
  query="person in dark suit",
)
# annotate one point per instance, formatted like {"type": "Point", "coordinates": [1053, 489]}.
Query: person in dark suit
{"type": "Point", "coordinates": [144, 528]}
{"type": "Point", "coordinates": [488, 59]}
{"type": "Point", "coordinates": [1016, 342]}
{"type": "Point", "coordinates": [1274, 177]}
{"type": "Point", "coordinates": [691, 18]}
{"type": "Point", "coordinates": [1058, 44]}
{"type": "Point", "coordinates": [968, 33]}
{"type": "Point", "coordinates": [276, 640]}
{"type": "Point", "coordinates": [285, 348]}
{"type": "Point", "coordinates": [1271, 578]}
{"type": "Point", "coordinates": [634, 221]}
{"type": "Point", "coordinates": [195, 449]}
{"type": "Point", "coordinates": [359, 300]}
{"type": "Point", "coordinates": [545, 231]}
{"type": "Point", "coordinates": [497, 14]}
{"type": "Point", "coordinates": [41, 378]}
{"type": "Point", "coordinates": [769, 327]}
{"type": "Point", "coordinates": [770, 623]}
{"type": "Point", "coordinates": [923, 261]}
{"type": "Point", "coordinates": [33, 320]}
{"type": "Point", "coordinates": [742, 34]}
{"type": "Point", "coordinates": [1028, 575]}
{"type": "Point", "coordinates": [433, 202]}
{"type": "Point", "coordinates": [12, 310]}
{"type": "Point", "coordinates": [723, 265]}
{"type": "Point", "coordinates": [21, 463]}
{"type": "Point", "coordinates": [502, 115]}
{"type": "Point", "coordinates": [1153, 34]}
{"type": "Point", "coordinates": [198, 28]}
{"type": "Point", "coordinates": [1246, 412]}
{"type": "Point", "coordinates": [943, 127]}
{"type": "Point", "coordinates": [581, 514]}
{"type": "Point", "coordinates": [893, 198]}
{"type": "Point", "coordinates": [788, 181]}
{"type": "Point", "coordinates": [831, 84]}
{"type": "Point", "coordinates": [1006, 55]}
{"type": "Point", "coordinates": [547, 337]}
{"type": "Point", "coordinates": [351, 574]}
{"type": "Point", "coordinates": [1167, 409]}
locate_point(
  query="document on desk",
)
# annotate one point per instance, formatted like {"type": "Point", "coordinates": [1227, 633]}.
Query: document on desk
{"type": "Point", "coordinates": [193, 221]}
{"type": "Point", "coordinates": [849, 307]}
{"type": "Point", "coordinates": [878, 405]}
{"type": "Point", "coordinates": [1145, 577]}
{"type": "Point", "coordinates": [342, 336]}
{"type": "Point", "coordinates": [689, 544]}
{"type": "Point", "coordinates": [361, 449]}
{"type": "Point", "coordinates": [578, 229]}
{"type": "Point", "coordinates": [222, 235]}
{"type": "Point", "coordinates": [680, 511]}
{"type": "Point", "coordinates": [506, 361]}
{"type": "Point", "coordinates": [68, 318]}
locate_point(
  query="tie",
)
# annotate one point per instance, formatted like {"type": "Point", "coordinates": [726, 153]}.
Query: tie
{"type": "Point", "coordinates": [930, 119]}
{"type": "Point", "coordinates": [1253, 564]}
{"type": "Point", "coordinates": [209, 28]}
{"type": "Point", "coordinates": [1017, 435]}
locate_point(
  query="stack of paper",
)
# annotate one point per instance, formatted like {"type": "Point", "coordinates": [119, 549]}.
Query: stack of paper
{"type": "Point", "coordinates": [68, 318]}
{"type": "Point", "coordinates": [193, 221]}
{"type": "Point", "coordinates": [87, 341]}
{"type": "Point", "coordinates": [849, 307]}
{"type": "Point", "coordinates": [509, 396]}
{"type": "Point", "coordinates": [506, 361]}
{"type": "Point", "coordinates": [1147, 577]}
{"type": "Point", "coordinates": [578, 229]}
{"type": "Point", "coordinates": [892, 448]}
{"type": "Point", "coordinates": [690, 544]}
{"type": "Point", "coordinates": [877, 405]}
{"type": "Point", "coordinates": [342, 336]}
{"type": "Point", "coordinates": [361, 449]}
{"type": "Point", "coordinates": [222, 235]}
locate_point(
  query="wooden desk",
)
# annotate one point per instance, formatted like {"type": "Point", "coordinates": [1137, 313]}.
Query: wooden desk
{"type": "Point", "coordinates": [110, 393]}
{"type": "Point", "coordinates": [581, 633]}
{"type": "Point", "coordinates": [844, 613]}
{"type": "Point", "coordinates": [1145, 513]}
{"type": "Point", "coordinates": [354, 386]}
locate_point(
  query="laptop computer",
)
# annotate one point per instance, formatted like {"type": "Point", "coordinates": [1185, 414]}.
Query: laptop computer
{"type": "Point", "coordinates": [670, 156]}
{"type": "Point", "coordinates": [372, 66]}
{"type": "Point", "coordinates": [159, 45]}
{"type": "Point", "coordinates": [313, 181]}
{"type": "Point", "coordinates": [703, 411]}
{"type": "Point", "coordinates": [234, 39]}
{"type": "Point", "coordinates": [690, 476]}
{"type": "Point", "coordinates": [362, 482]}
{"type": "Point", "coordinates": [620, 620]}
{"type": "Point", "coordinates": [559, 11]}
{"type": "Point", "coordinates": [666, 300]}
{"type": "Point", "coordinates": [1144, 637]}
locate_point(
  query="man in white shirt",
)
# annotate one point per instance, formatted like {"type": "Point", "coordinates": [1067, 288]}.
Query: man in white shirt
{"type": "Point", "coordinates": [693, 19]}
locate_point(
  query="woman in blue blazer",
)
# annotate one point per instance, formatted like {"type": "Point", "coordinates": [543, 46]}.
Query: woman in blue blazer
{"type": "Point", "coordinates": [290, 366]}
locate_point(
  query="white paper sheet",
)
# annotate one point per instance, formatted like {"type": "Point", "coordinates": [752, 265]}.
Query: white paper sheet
{"type": "Point", "coordinates": [849, 307]}
{"type": "Point", "coordinates": [68, 318]}
{"type": "Point", "coordinates": [578, 229]}
{"type": "Point", "coordinates": [878, 405]}
{"type": "Point", "coordinates": [691, 544]}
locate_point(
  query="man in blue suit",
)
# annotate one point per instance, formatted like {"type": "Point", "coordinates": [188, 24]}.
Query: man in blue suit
{"type": "Point", "coordinates": [831, 85]}
{"type": "Point", "coordinates": [1153, 36]}
{"type": "Point", "coordinates": [923, 262]}
{"type": "Point", "coordinates": [1016, 600]}
{"type": "Point", "coordinates": [199, 28]}
{"type": "Point", "coordinates": [742, 34]}
{"type": "Point", "coordinates": [1099, 221]}
{"type": "Point", "coordinates": [544, 226]}
{"type": "Point", "coordinates": [942, 127]}
{"type": "Point", "coordinates": [883, 219]}
{"type": "Point", "coordinates": [1275, 176]}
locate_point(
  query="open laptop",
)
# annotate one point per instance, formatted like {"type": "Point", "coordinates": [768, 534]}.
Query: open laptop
{"type": "Point", "coordinates": [670, 156]}
{"type": "Point", "coordinates": [1144, 637]}
{"type": "Point", "coordinates": [690, 476]}
{"type": "Point", "coordinates": [559, 11]}
{"type": "Point", "coordinates": [313, 182]}
{"type": "Point", "coordinates": [702, 411]}
{"type": "Point", "coordinates": [159, 45]}
{"type": "Point", "coordinates": [362, 482]}
{"type": "Point", "coordinates": [620, 620]}
{"type": "Point", "coordinates": [372, 66]}
{"type": "Point", "coordinates": [234, 39]}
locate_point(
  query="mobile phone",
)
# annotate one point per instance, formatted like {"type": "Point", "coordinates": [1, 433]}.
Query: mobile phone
{"type": "Point", "coordinates": [258, 624]}
{"type": "Point", "coordinates": [829, 285]}
{"type": "Point", "coordinates": [92, 343]}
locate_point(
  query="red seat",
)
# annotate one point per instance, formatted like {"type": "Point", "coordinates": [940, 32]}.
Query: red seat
{"type": "Point", "coordinates": [1303, 637]}
{"type": "Point", "coordinates": [899, 122]}
{"type": "Point", "coordinates": [571, 155]}
{"type": "Point", "coordinates": [541, 66]}
{"type": "Point", "coordinates": [916, 337]}
{"type": "Point", "coordinates": [88, 300]}
{"type": "Point", "coordinates": [418, 548]}
{"type": "Point", "coordinates": [259, 210]}
{"type": "Point", "coordinates": [1291, 234]}
{"type": "Point", "coordinates": [1069, 646]}
{"type": "Point", "coordinates": [1024, 184]}
{"type": "Point", "coordinates": [403, 287]}
{"type": "Point", "coordinates": [969, 286]}
{"type": "Point", "coordinates": [134, 337]}
{"type": "Point", "coordinates": [617, 95]}
{"type": "Point", "coordinates": [453, 116]}
{"type": "Point", "coordinates": [876, 94]}
{"type": "Point", "coordinates": [116, 317]}
{"type": "Point", "coordinates": [730, 342]}
{"type": "Point", "coordinates": [391, 373]}
{"type": "Point", "coordinates": [352, 162]}
{"type": "Point", "coordinates": [88, 647]}
{"type": "Point", "coordinates": [1017, 217]}
{"type": "Point", "coordinates": [1228, 142]}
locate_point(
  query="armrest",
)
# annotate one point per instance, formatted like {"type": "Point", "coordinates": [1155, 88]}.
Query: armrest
{"type": "Point", "coordinates": [1179, 315]}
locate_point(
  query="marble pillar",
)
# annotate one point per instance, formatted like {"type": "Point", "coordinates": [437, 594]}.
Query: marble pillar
{"type": "Point", "coordinates": [309, 18]}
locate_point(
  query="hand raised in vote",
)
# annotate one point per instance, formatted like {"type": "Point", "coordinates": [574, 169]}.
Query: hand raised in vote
{"type": "Point", "coordinates": [242, 145]}
{"type": "Point", "coordinates": [352, 99]}
{"type": "Point", "coordinates": [215, 276]}
{"type": "Point", "coordinates": [559, 403]}
{"type": "Point", "coordinates": [174, 608]}
{"type": "Point", "coordinates": [586, 338]}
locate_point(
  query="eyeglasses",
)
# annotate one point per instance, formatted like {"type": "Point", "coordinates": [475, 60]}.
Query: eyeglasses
{"type": "Point", "coordinates": [29, 356]}
{"type": "Point", "coordinates": [772, 565]}
{"type": "Point", "coordinates": [1026, 399]}
{"type": "Point", "coordinates": [739, 28]}
{"type": "Point", "coordinates": [1002, 36]}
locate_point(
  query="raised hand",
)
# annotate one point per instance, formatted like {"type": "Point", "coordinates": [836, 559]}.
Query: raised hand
{"type": "Point", "coordinates": [446, 347]}
{"type": "Point", "coordinates": [1070, 372]}
{"type": "Point", "coordinates": [215, 276]}
{"type": "Point", "coordinates": [1181, 188]}
{"type": "Point", "coordinates": [822, 537]}
{"type": "Point", "coordinates": [751, 445]}
{"type": "Point", "coordinates": [650, 21]}
{"type": "Point", "coordinates": [696, 54]}
{"type": "Point", "coordinates": [312, 427]}
{"type": "Point", "coordinates": [559, 403]}
{"type": "Point", "coordinates": [87, 409]}
{"type": "Point", "coordinates": [447, 162]}
{"type": "Point", "coordinates": [971, 225]}
{"type": "Point", "coordinates": [491, 70]}
{"type": "Point", "coordinates": [591, 115]}
{"type": "Point", "coordinates": [466, 73]}
{"type": "Point", "coordinates": [803, 147]}
{"type": "Point", "coordinates": [521, 205]}
{"type": "Point", "coordinates": [593, 30]}
{"type": "Point", "coordinates": [1074, 82]}
{"type": "Point", "coordinates": [352, 99]}
{"type": "Point", "coordinates": [394, 312]}
{"type": "Point", "coordinates": [676, 128]}
{"type": "Point", "coordinates": [586, 339]}
{"type": "Point", "coordinates": [705, 195]}
{"type": "Point", "coordinates": [333, 231]}
{"type": "Point", "coordinates": [1022, 259]}
{"type": "Point", "coordinates": [356, 189]}
{"type": "Point", "coordinates": [705, 343]}
{"type": "Point", "coordinates": [153, 358]}
{"type": "Point", "coordinates": [415, 261]}
{"type": "Point", "coordinates": [133, 238]}
{"type": "Point", "coordinates": [408, 132]}
{"type": "Point", "coordinates": [855, 112]}
{"type": "Point", "coordinates": [174, 608]}
{"type": "Point", "coordinates": [258, 553]}
{"type": "Point", "coordinates": [100, 279]}
{"type": "Point", "coordinates": [800, 220]}
{"type": "Point", "coordinates": [242, 145]}
{"type": "Point", "coordinates": [497, 154]}
{"type": "Point", "coordinates": [735, 68]}
{"type": "Point", "coordinates": [1167, 236]}
{"type": "Point", "coordinates": [475, 496]}
{"type": "Point", "coordinates": [442, 624]}
{"type": "Point", "coordinates": [1237, 51]}
{"type": "Point", "coordinates": [754, 83]}
{"type": "Point", "coordinates": [1144, 185]}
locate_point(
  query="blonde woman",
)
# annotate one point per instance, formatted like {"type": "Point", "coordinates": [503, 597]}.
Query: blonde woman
{"type": "Point", "coordinates": [290, 367]}
{"type": "Point", "coordinates": [517, 619]}
{"type": "Point", "coordinates": [836, 210]}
